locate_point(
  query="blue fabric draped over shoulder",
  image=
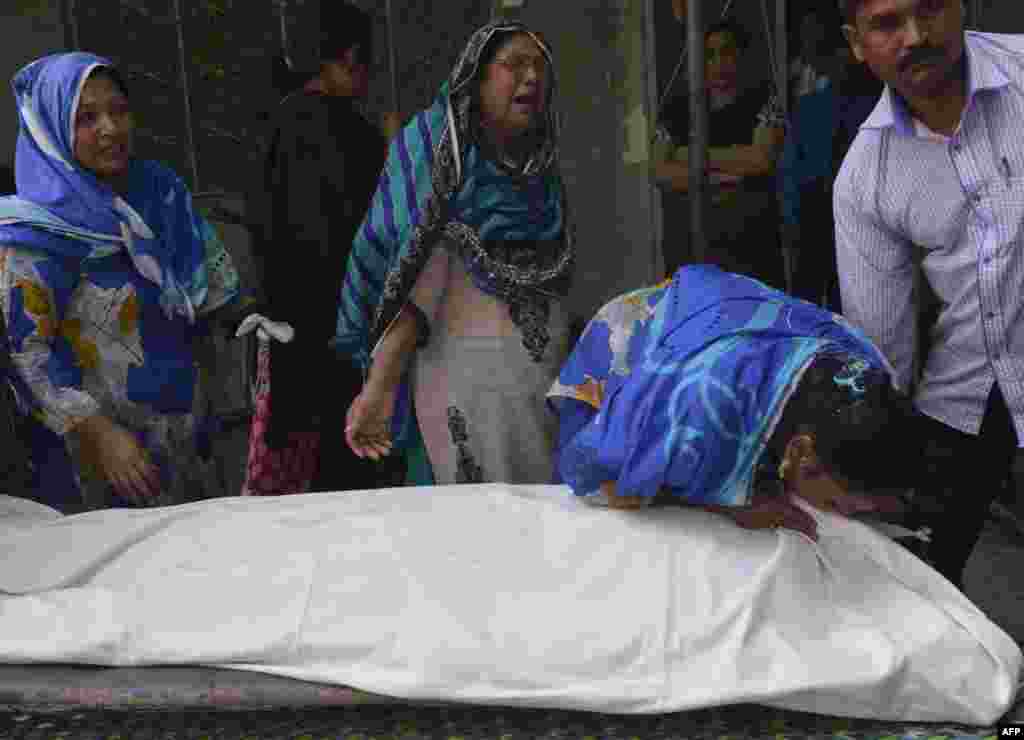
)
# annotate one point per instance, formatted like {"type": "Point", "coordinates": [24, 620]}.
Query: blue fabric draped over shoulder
{"type": "Point", "coordinates": [679, 387]}
{"type": "Point", "coordinates": [63, 210]}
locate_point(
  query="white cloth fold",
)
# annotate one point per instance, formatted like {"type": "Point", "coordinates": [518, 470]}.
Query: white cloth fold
{"type": "Point", "coordinates": [506, 595]}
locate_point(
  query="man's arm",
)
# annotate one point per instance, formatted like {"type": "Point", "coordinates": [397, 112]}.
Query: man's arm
{"type": "Point", "coordinates": [755, 160]}
{"type": "Point", "coordinates": [876, 278]}
{"type": "Point", "coordinates": [751, 160]}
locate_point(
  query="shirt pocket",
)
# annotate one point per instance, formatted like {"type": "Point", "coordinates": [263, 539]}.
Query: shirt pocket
{"type": "Point", "coordinates": [1007, 211]}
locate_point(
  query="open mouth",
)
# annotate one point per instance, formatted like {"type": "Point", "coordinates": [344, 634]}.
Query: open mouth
{"type": "Point", "coordinates": [527, 100]}
{"type": "Point", "coordinates": [921, 64]}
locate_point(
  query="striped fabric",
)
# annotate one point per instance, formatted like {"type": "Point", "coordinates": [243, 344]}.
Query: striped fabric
{"type": "Point", "coordinates": [433, 175]}
{"type": "Point", "coordinates": [960, 201]}
{"type": "Point", "coordinates": [396, 208]}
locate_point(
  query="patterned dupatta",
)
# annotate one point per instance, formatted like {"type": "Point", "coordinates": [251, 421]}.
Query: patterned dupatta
{"type": "Point", "coordinates": [509, 223]}
{"type": "Point", "coordinates": [700, 385]}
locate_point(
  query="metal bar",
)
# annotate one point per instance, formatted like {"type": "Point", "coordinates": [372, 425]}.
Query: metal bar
{"type": "Point", "coordinates": [782, 54]}
{"type": "Point", "coordinates": [679, 64]}
{"type": "Point", "coordinates": [392, 57]}
{"type": "Point", "coordinates": [69, 18]}
{"type": "Point", "coordinates": [286, 46]}
{"type": "Point", "coordinates": [789, 257]}
{"type": "Point", "coordinates": [653, 112]}
{"type": "Point", "coordinates": [190, 142]}
{"type": "Point", "coordinates": [698, 130]}
{"type": "Point", "coordinates": [974, 14]}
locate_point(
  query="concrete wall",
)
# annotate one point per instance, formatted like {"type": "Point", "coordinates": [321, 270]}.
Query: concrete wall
{"type": "Point", "coordinates": [601, 49]}
{"type": "Point", "coordinates": [1001, 16]}
{"type": "Point", "coordinates": [28, 33]}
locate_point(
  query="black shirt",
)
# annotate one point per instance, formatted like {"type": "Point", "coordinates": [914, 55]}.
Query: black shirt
{"type": "Point", "coordinates": [319, 174]}
{"type": "Point", "coordinates": [731, 125]}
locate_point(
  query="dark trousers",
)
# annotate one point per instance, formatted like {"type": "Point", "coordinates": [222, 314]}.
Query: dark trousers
{"type": "Point", "coordinates": [338, 467]}
{"type": "Point", "coordinates": [962, 474]}
{"type": "Point", "coordinates": [816, 275]}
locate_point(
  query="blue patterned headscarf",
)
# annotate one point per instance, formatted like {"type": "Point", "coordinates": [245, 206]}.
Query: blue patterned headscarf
{"type": "Point", "coordinates": [64, 210]}
{"type": "Point", "coordinates": [709, 375]}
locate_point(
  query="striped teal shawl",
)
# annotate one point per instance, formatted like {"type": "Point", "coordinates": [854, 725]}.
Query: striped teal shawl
{"type": "Point", "coordinates": [437, 183]}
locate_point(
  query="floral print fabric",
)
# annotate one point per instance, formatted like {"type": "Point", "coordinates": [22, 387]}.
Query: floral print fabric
{"type": "Point", "coordinates": [90, 336]}
{"type": "Point", "coordinates": [676, 389]}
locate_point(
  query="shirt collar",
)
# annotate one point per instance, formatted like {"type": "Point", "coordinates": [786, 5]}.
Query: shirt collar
{"type": "Point", "coordinates": [982, 74]}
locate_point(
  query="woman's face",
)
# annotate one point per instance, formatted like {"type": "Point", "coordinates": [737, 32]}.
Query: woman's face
{"type": "Point", "coordinates": [104, 129]}
{"type": "Point", "coordinates": [722, 62]}
{"type": "Point", "coordinates": [514, 87]}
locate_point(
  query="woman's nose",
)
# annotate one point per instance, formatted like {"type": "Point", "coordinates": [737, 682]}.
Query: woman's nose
{"type": "Point", "coordinates": [106, 125]}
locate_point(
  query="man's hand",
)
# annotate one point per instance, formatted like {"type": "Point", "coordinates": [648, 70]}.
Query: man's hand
{"type": "Point", "coordinates": [119, 458]}
{"type": "Point", "coordinates": [615, 501]}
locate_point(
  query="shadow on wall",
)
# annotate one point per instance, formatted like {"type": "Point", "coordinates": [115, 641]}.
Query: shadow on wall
{"type": "Point", "coordinates": [7, 185]}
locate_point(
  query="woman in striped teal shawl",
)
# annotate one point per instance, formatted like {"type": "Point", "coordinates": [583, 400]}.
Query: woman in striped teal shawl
{"type": "Point", "coordinates": [452, 299]}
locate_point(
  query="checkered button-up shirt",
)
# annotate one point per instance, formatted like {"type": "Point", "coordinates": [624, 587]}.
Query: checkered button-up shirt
{"type": "Point", "coordinates": [960, 199]}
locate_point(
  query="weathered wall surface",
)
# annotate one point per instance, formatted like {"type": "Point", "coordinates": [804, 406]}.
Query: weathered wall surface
{"type": "Point", "coordinates": [26, 36]}
{"type": "Point", "coordinates": [601, 49]}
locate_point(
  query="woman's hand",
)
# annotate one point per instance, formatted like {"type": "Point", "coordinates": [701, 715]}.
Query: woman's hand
{"type": "Point", "coordinates": [368, 422]}
{"type": "Point", "coordinates": [390, 124]}
{"type": "Point", "coordinates": [615, 501]}
{"type": "Point", "coordinates": [117, 455]}
{"type": "Point", "coordinates": [772, 513]}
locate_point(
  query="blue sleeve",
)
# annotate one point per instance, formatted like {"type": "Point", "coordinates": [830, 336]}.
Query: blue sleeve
{"type": "Point", "coordinates": [47, 352]}
{"type": "Point", "coordinates": [789, 172]}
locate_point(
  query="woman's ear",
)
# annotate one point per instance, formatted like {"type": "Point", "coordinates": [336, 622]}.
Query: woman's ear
{"type": "Point", "coordinates": [800, 459]}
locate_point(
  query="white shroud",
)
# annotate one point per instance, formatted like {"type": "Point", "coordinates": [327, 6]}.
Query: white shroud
{"type": "Point", "coordinates": [505, 595]}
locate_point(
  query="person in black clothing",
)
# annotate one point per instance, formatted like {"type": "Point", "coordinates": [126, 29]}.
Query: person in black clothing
{"type": "Point", "coordinates": [320, 171]}
{"type": "Point", "coordinates": [822, 127]}
{"type": "Point", "coordinates": [746, 132]}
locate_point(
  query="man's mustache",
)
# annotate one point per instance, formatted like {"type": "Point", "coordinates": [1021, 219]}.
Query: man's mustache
{"type": "Point", "coordinates": [923, 55]}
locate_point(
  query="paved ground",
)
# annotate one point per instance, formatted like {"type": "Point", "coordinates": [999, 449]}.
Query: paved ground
{"type": "Point", "coordinates": [995, 576]}
{"type": "Point", "coordinates": [386, 722]}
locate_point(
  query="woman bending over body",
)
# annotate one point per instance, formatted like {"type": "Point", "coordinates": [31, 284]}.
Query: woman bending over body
{"type": "Point", "coordinates": [692, 390]}
{"type": "Point", "coordinates": [459, 270]}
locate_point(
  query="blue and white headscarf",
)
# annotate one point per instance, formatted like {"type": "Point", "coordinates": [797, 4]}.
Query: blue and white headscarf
{"type": "Point", "coordinates": [64, 210]}
{"type": "Point", "coordinates": [709, 374]}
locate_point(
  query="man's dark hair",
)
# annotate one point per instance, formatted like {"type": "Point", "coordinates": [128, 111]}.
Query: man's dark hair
{"type": "Point", "coordinates": [732, 27]}
{"type": "Point", "coordinates": [848, 10]}
{"type": "Point", "coordinates": [342, 26]}
{"type": "Point", "coordinates": [867, 439]}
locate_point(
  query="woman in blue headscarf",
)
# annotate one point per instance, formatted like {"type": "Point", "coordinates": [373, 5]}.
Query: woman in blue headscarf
{"type": "Point", "coordinates": [107, 275]}
{"type": "Point", "coordinates": [698, 390]}
{"type": "Point", "coordinates": [459, 270]}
